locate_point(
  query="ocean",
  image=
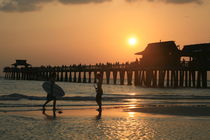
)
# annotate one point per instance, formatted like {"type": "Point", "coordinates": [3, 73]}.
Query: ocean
{"type": "Point", "coordinates": [29, 95]}
{"type": "Point", "coordinates": [18, 96]}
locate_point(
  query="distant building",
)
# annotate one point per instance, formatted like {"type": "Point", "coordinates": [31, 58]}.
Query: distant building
{"type": "Point", "coordinates": [199, 54]}
{"type": "Point", "coordinates": [21, 63]}
{"type": "Point", "coordinates": [160, 54]}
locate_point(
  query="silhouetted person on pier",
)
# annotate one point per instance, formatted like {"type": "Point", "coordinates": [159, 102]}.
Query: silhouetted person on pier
{"type": "Point", "coordinates": [50, 95]}
{"type": "Point", "coordinates": [99, 91]}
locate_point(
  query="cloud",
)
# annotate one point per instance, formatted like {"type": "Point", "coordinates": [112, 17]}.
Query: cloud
{"type": "Point", "coordinates": [21, 5]}
{"type": "Point", "coordinates": [81, 1]}
{"type": "Point", "coordinates": [172, 1]}
{"type": "Point", "coordinates": [34, 5]}
{"type": "Point", "coordinates": [183, 1]}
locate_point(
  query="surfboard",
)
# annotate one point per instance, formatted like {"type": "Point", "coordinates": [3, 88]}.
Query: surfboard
{"type": "Point", "coordinates": [57, 90]}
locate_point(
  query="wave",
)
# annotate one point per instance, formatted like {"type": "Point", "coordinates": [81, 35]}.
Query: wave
{"type": "Point", "coordinates": [2, 105]}
{"type": "Point", "coordinates": [109, 97]}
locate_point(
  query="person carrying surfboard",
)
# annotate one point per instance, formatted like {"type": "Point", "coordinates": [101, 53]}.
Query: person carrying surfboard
{"type": "Point", "coordinates": [50, 95]}
{"type": "Point", "coordinates": [99, 91]}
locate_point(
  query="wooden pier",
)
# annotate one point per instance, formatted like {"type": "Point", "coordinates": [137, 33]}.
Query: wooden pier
{"type": "Point", "coordinates": [167, 72]}
{"type": "Point", "coordinates": [123, 74]}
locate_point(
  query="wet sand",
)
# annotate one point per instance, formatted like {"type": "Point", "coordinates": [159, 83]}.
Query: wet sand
{"type": "Point", "coordinates": [178, 110]}
{"type": "Point", "coordinates": [126, 122]}
{"type": "Point", "coordinates": [126, 111]}
{"type": "Point", "coordinates": [79, 112]}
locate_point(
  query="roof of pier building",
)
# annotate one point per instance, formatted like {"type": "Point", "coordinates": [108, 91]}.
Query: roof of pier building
{"type": "Point", "coordinates": [160, 54]}
{"type": "Point", "coordinates": [196, 49]}
{"type": "Point", "coordinates": [200, 54]}
{"type": "Point", "coordinates": [21, 63]}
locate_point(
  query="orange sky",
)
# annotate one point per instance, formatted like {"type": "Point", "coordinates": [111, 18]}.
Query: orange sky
{"type": "Point", "coordinates": [65, 32]}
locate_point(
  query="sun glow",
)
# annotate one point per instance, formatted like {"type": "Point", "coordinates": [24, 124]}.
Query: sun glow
{"type": "Point", "coordinates": [132, 41]}
{"type": "Point", "coordinates": [131, 114]}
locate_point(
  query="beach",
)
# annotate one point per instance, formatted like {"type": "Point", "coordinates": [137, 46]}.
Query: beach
{"type": "Point", "coordinates": [129, 112]}
{"type": "Point", "coordinates": [112, 123]}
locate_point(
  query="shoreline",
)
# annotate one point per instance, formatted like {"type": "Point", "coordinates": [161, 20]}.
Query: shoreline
{"type": "Point", "coordinates": [174, 110]}
{"type": "Point", "coordinates": [124, 111]}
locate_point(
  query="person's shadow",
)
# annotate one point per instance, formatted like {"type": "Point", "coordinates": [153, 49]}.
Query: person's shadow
{"type": "Point", "coordinates": [98, 117]}
{"type": "Point", "coordinates": [50, 117]}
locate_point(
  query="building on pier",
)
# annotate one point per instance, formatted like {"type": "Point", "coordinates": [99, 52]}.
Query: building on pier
{"type": "Point", "coordinates": [160, 54]}
{"type": "Point", "coordinates": [199, 54]}
{"type": "Point", "coordinates": [21, 63]}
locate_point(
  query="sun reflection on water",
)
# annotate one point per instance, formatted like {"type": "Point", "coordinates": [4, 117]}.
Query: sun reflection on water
{"type": "Point", "coordinates": [132, 106]}
{"type": "Point", "coordinates": [131, 114]}
{"type": "Point", "coordinates": [130, 127]}
{"type": "Point", "coordinates": [133, 93]}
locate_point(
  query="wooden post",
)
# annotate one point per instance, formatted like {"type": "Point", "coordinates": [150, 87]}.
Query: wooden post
{"type": "Point", "coordinates": [172, 78]}
{"type": "Point", "coordinates": [57, 76]}
{"type": "Point", "coordinates": [48, 74]}
{"type": "Point", "coordinates": [181, 78]}
{"type": "Point", "coordinates": [10, 75]}
{"type": "Point", "coordinates": [186, 78]}
{"type": "Point", "coordinates": [5, 75]}
{"type": "Point", "coordinates": [122, 77]}
{"type": "Point", "coordinates": [204, 79]}
{"type": "Point", "coordinates": [13, 75]}
{"type": "Point", "coordinates": [148, 78]}
{"type": "Point", "coordinates": [19, 75]}
{"type": "Point", "coordinates": [154, 83]}
{"type": "Point", "coordinates": [89, 77]}
{"type": "Point", "coordinates": [193, 78]}
{"type": "Point", "coordinates": [75, 76]}
{"type": "Point", "coordinates": [79, 77]}
{"type": "Point", "coordinates": [190, 76]}
{"type": "Point", "coordinates": [16, 74]}
{"type": "Point", "coordinates": [161, 78]}
{"type": "Point", "coordinates": [95, 73]}
{"type": "Point", "coordinates": [167, 78]}
{"type": "Point", "coordinates": [198, 79]}
{"type": "Point", "coordinates": [27, 75]}
{"type": "Point", "coordinates": [61, 79]}
{"type": "Point", "coordinates": [129, 77]}
{"type": "Point", "coordinates": [140, 79]}
{"type": "Point", "coordinates": [115, 76]}
{"type": "Point", "coordinates": [24, 74]}
{"type": "Point", "coordinates": [84, 77]}
{"type": "Point", "coordinates": [107, 76]}
{"type": "Point", "coordinates": [102, 75]}
{"type": "Point", "coordinates": [70, 76]}
{"type": "Point", "coordinates": [66, 76]}
{"type": "Point", "coordinates": [136, 77]}
{"type": "Point", "coordinates": [176, 78]}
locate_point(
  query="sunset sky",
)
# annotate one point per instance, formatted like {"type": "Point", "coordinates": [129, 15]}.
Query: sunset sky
{"type": "Point", "coordinates": [64, 32]}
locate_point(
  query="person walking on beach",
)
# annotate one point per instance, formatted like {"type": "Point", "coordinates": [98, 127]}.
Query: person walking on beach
{"type": "Point", "coordinates": [50, 96]}
{"type": "Point", "coordinates": [99, 91]}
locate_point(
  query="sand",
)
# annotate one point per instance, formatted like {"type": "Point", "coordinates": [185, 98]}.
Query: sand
{"type": "Point", "coordinates": [125, 111]}
{"type": "Point", "coordinates": [149, 122]}
{"type": "Point", "coordinates": [178, 110]}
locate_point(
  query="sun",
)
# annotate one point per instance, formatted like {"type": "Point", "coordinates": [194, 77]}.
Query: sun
{"type": "Point", "coordinates": [132, 41]}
